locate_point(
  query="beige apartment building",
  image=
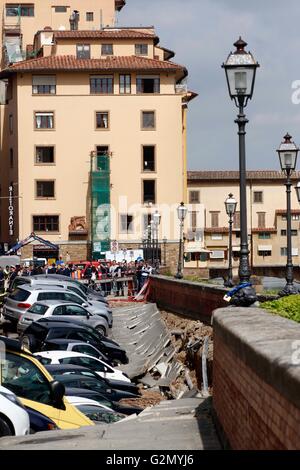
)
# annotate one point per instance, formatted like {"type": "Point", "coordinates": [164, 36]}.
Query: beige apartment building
{"type": "Point", "coordinates": [93, 132]}
{"type": "Point", "coordinates": [206, 244]}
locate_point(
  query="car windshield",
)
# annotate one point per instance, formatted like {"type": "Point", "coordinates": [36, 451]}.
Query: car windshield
{"type": "Point", "coordinates": [97, 414]}
{"type": "Point", "coordinates": [24, 378]}
{"type": "Point", "coordinates": [38, 309]}
{"type": "Point", "coordinates": [19, 294]}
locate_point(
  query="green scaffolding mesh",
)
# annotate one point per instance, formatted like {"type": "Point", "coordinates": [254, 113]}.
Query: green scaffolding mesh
{"type": "Point", "coordinates": [100, 205]}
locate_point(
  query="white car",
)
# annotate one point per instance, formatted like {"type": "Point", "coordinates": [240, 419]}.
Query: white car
{"type": "Point", "coordinates": [14, 419]}
{"type": "Point", "coordinates": [69, 357]}
{"type": "Point", "coordinates": [95, 411]}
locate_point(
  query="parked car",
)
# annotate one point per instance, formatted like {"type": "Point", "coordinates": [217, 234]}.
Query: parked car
{"type": "Point", "coordinates": [103, 386]}
{"type": "Point", "coordinates": [22, 298]}
{"type": "Point", "coordinates": [25, 376]}
{"type": "Point", "coordinates": [46, 329]}
{"type": "Point", "coordinates": [58, 280]}
{"type": "Point", "coordinates": [88, 291]}
{"type": "Point", "coordinates": [64, 311]}
{"type": "Point", "coordinates": [95, 411]}
{"type": "Point", "coordinates": [74, 345]}
{"type": "Point", "coordinates": [39, 422]}
{"type": "Point", "coordinates": [14, 419]}
{"type": "Point", "coordinates": [78, 359]}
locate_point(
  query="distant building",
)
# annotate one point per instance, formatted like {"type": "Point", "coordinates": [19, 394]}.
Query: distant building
{"type": "Point", "coordinates": [266, 210]}
{"type": "Point", "coordinates": [93, 128]}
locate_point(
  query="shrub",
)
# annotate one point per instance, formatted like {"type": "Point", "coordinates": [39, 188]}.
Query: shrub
{"type": "Point", "coordinates": [288, 307]}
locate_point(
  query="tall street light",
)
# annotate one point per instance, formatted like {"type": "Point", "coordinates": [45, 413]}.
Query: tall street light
{"type": "Point", "coordinates": [156, 220]}
{"type": "Point", "coordinates": [240, 68]}
{"type": "Point", "coordinates": [152, 238]}
{"type": "Point", "coordinates": [230, 206]}
{"type": "Point", "coordinates": [287, 153]}
{"type": "Point", "coordinates": [181, 213]}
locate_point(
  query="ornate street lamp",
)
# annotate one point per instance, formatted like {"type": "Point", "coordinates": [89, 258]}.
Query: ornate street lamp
{"type": "Point", "coordinates": [152, 241]}
{"type": "Point", "coordinates": [230, 206]}
{"type": "Point", "coordinates": [181, 213]}
{"type": "Point", "coordinates": [240, 68]}
{"type": "Point", "coordinates": [156, 220]}
{"type": "Point", "coordinates": [287, 153]}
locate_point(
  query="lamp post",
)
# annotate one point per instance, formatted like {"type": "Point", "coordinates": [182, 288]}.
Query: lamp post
{"type": "Point", "coordinates": [148, 242]}
{"type": "Point", "coordinates": [152, 241]}
{"type": "Point", "coordinates": [240, 68]}
{"type": "Point", "coordinates": [165, 250]}
{"type": "Point", "coordinates": [181, 212]}
{"type": "Point", "coordinates": [230, 206]}
{"type": "Point", "coordinates": [287, 153]}
{"type": "Point", "coordinates": [156, 220]}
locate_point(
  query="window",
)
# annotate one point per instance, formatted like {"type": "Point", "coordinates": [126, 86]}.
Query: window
{"type": "Point", "coordinates": [89, 16]}
{"type": "Point", "coordinates": [107, 49]}
{"type": "Point", "coordinates": [60, 9]}
{"type": "Point", "coordinates": [194, 221]}
{"type": "Point", "coordinates": [102, 120]}
{"type": "Point", "coordinates": [261, 217]}
{"type": "Point", "coordinates": [45, 189]}
{"type": "Point", "coordinates": [283, 251]}
{"type": "Point", "coordinates": [44, 120]}
{"type": "Point", "coordinates": [11, 129]}
{"type": "Point", "coordinates": [265, 253]}
{"type": "Point", "coordinates": [214, 219]}
{"type": "Point", "coordinates": [149, 191]}
{"type": "Point", "coordinates": [264, 235]}
{"type": "Point", "coordinates": [101, 85]}
{"type": "Point", "coordinates": [294, 233]}
{"type": "Point", "coordinates": [216, 236]}
{"type": "Point", "coordinates": [258, 197]}
{"type": "Point", "coordinates": [147, 84]}
{"type": "Point", "coordinates": [45, 223]}
{"type": "Point", "coordinates": [43, 85]}
{"type": "Point", "coordinates": [125, 84]}
{"type": "Point", "coordinates": [75, 310]}
{"type": "Point", "coordinates": [237, 220]}
{"type": "Point", "coordinates": [141, 49]}
{"type": "Point", "coordinates": [83, 51]}
{"type": "Point", "coordinates": [126, 223]}
{"type": "Point", "coordinates": [19, 10]}
{"type": "Point", "coordinates": [86, 349]}
{"type": "Point", "coordinates": [25, 379]}
{"type": "Point", "coordinates": [148, 119]}
{"type": "Point", "coordinates": [148, 158]}
{"type": "Point", "coordinates": [11, 158]}
{"type": "Point", "coordinates": [194, 197]}
{"type": "Point", "coordinates": [44, 155]}
{"type": "Point", "coordinates": [217, 254]}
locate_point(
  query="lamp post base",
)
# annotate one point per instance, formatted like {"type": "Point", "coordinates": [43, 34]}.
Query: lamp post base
{"type": "Point", "coordinates": [228, 283]}
{"type": "Point", "coordinates": [244, 297]}
{"type": "Point", "coordinates": [178, 276]}
{"type": "Point", "coordinates": [289, 289]}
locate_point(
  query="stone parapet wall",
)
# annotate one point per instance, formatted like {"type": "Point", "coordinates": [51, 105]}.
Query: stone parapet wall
{"type": "Point", "coordinates": [255, 382]}
{"type": "Point", "coordinates": [191, 299]}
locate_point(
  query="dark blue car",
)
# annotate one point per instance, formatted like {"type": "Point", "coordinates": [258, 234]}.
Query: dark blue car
{"type": "Point", "coordinates": [39, 422]}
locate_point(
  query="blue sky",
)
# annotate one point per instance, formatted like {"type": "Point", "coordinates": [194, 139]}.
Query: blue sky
{"type": "Point", "coordinates": [201, 32]}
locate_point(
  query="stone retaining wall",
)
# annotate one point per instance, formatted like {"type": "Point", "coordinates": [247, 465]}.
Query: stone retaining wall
{"type": "Point", "coordinates": [256, 385]}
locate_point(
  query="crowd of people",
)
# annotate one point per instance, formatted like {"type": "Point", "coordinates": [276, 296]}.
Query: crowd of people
{"type": "Point", "coordinates": [112, 276]}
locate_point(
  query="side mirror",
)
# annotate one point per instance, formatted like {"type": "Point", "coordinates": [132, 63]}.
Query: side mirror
{"type": "Point", "coordinates": [58, 391]}
{"type": "Point", "coordinates": [85, 304]}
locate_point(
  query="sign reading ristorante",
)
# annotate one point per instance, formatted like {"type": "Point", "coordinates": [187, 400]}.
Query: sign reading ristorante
{"type": "Point", "coordinates": [10, 210]}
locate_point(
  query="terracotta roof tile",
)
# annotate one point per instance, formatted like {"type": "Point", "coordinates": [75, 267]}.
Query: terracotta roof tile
{"type": "Point", "coordinates": [283, 211]}
{"type": "Point", "coordinates": [267, 230]}
{"type": "Point", "coordinates": [70, 63]}
{"type": "Point", "coordinates": [234, 175]}
{"type": "Point", "coordinates": [105, 34]}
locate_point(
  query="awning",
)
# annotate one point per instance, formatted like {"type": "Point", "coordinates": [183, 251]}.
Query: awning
{"type": "Point", "coordinates": [264, 247]}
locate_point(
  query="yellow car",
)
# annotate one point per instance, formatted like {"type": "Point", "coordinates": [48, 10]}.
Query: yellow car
{"type": "Point", "coordinates": [24, 375]}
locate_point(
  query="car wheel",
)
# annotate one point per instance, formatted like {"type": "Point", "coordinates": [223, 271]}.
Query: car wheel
{"type": "Point", "coordinates": [29, 342]}
{"type": "Point", "coordinates": [101, 330]}
{"type": "Point", "coordinates": [4, 428]}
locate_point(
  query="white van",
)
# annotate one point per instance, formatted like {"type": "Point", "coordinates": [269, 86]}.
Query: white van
{"type": "Point", "coordinates": [34, 261]}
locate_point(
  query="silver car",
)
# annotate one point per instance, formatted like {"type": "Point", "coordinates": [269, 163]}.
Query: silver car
{"type": "Point", "coordinates": [22, 298]}
{"type": "Point", "coordinates": [62, 311]}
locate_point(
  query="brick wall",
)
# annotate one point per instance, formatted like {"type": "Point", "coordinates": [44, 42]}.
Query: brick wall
{"type": "Point", "coordinates": [191, 299]}
{"type": "Point", "coordinates": [255, 386]}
